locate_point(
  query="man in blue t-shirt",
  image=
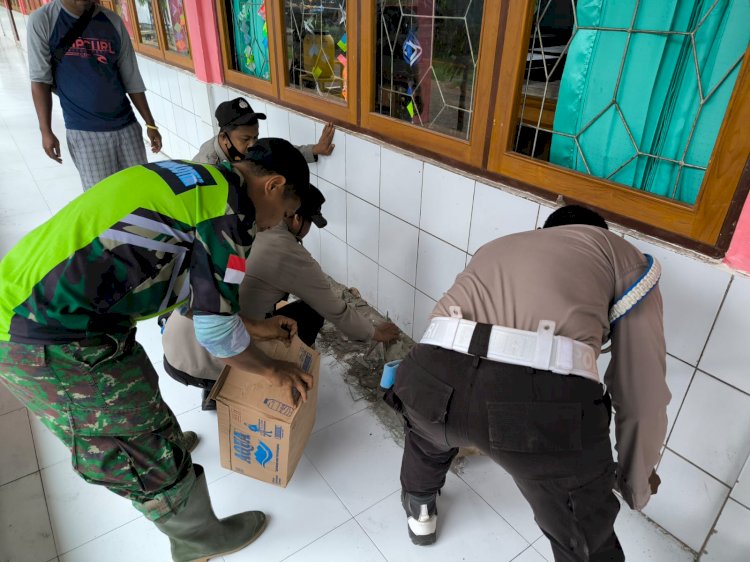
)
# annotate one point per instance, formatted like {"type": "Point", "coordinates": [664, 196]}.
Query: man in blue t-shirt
{"type": "Point", "coordinates": [93, 79]}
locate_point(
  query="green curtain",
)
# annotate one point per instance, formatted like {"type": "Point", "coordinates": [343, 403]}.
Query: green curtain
{"type": "Point", "coordinates": [658, 95]}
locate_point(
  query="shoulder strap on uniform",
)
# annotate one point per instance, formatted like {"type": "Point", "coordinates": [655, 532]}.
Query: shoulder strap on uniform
{"type": "Point", "coordinates": [73, 33]}
{"type": "Point", "coordinates": [637, 292]}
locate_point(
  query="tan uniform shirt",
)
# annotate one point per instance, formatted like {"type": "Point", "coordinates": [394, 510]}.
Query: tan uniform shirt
{"type": "Point", "coordinates": [277, 265]}
{"type": "Point", "coordinates": [571, 275]}
{"type": "Point", "coordinates": [211, 152]}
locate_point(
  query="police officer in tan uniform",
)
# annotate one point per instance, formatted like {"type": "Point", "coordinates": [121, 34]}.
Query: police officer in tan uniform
{"type": "Point", "coordinates": [508, 365]}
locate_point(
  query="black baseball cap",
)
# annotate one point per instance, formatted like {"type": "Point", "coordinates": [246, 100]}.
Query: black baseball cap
{"type": "Point", "coordinates": [310, 207]}
{"type": "Point", "coordinates": [281, 157]}
{"type": "Point", "coordinates": [236, 112]}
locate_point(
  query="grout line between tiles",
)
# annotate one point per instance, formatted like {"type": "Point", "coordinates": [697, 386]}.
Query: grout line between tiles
{"type": "Point", "coordinates": [716, 319]}
{"type": "Point", "coordinates": [703, 470]}
{"type": "Point", "coordinates": [524, 551]}
{"type": "Point", "coordinates": [682, 403]}
{"type": "Point", "coordinates": [331, 487]}
{"type": "Point", "coordinates": [497, 512]}
{"type": "Point", "coordinates": [317, 539]}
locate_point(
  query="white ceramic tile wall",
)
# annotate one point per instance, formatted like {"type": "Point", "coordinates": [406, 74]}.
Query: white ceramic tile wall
{"type": "Point", "coordinates": [185, 89]}
{"type": "Point", "coordinates": [730, 541]}
{"type": "Point", "coordinates": [362, 226]}
{"type": "Point", "coordinates": [401, 185]}
{"type": "Point", "coordinates": [396, 300]}
{"type": "Point", "coordinates": [438, 264]}
{"type": "Point", "coordinates": [363, 169]}
{"type": "Point", "coordinates": [497, 213]}
{"type": "Point", "coordinates": [277, 122]}
{"type": "Point", "coordinates": [688, 500]}
{"type": "Point", "coordinates": [398, 247]}
{"type": "Point", "coordinates": [182, 107]}
{"type": "Point", "coordinates": [302, 132]}
{"type": "Point", "coordinates": [423, 306]}
{"type": "Point", "coordinates": [201, 101]}
{"type": "Point", "coordinates": [713, 428]}
{"type": "Point", "coordinates": [333, 168]}
{"type": "Point", "coordinates": [544, 212]}
{"type": "Point", "coordinates": [363, 274]}
{"type": "Point", "coordinates": [312, 242]}
{"type": "Point", "coordinates": [692, 291]}
{"type": "Point", "coordinates": [333, 256]}
{"type": "Point", "coordinates": [447, 199]}
{"type": "Point", "coordinates": [723, 358]}
{"type": "Point", "coordinates": [334, 209]}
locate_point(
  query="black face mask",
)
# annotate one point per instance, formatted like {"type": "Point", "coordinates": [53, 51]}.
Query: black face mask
{"type": "Point", "coordinates": [234, 154]}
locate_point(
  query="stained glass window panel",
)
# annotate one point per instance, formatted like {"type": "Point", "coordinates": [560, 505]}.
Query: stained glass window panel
{"type": "Point", "coordinates": [426, 61]}
{"type": "Point", "coordinates": [249, 37]}
{"type": "Point", "coordinates": [175, 26]}
{"type": "Point", "coordinates": [317, 46]}
{"type": "Point", "coordinates": [146, 22]}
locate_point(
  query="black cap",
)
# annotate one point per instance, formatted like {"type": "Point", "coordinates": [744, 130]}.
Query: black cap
{"type": "Point", "coordinates": [310, 207]}
{"type": "Point", "coordinates": [236, 112]}
{"type": "Point", "coordinates": [281, 157]}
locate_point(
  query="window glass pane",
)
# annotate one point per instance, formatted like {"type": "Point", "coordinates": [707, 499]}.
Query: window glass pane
{"type": "Point", "coordinates": [123, 10]}
{"type": "Point", "coordinates": [175, 26]}
{"type": "Point", "coordinates": [633, 92]}
{"type": "Point", "coordinates": [317, 47]}
{"type": "Point", "coordinates": [425, 62]}
{"type": "Point", "coordinates": [146, 22]}
{"type": "Point", "coordinates": [248, 37]}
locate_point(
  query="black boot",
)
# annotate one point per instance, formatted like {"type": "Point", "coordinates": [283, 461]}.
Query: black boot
{"type": "Point", "coordinates": [207, 404]}
{"type": "Point", "coordinates": [421, 517]}
{"type": "Point", "coordinates": [196, 534]}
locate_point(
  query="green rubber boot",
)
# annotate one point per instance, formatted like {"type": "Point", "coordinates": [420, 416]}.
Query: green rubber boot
{"type": "Point", "coordinates": [190, 440]}
{"type": "Point", "coordinates": [195, 533]}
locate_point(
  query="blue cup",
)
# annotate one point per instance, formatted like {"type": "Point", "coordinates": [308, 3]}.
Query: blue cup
{"type": "Point", "coordinates": [389, 374]}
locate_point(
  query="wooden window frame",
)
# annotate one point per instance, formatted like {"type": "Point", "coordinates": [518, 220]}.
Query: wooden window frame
{"type": "Point", "coordinates": [233, 77]}
{"type": "Point", "coordinates": [161, 52]}
{"type": "Point", "coordinates": [465, 152]}
{"type": "Point", "coordinates": [328, 109]}
{"type": "Point", "coordinates": [706, 222]}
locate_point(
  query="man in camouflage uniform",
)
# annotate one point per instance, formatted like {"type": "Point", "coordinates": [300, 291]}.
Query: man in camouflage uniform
{"type": "Point", "coordinates": [140, 243]}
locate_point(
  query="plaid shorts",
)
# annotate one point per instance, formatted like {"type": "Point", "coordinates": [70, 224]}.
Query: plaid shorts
{"type": "Point", "coordinates": [99, 154]}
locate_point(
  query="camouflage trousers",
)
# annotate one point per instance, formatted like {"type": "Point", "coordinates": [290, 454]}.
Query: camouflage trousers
{"type": "Point", "coordinates": [103, 402]}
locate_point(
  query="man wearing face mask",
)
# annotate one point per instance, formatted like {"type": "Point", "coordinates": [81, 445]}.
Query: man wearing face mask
{"type": "Point", "coordinates": [239, 130]}
{"type": "Point", "coordinates": [278, 266]}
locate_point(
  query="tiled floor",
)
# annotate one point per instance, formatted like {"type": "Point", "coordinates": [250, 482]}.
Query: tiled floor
{"type": "Point", "coordinates": [341, 505]}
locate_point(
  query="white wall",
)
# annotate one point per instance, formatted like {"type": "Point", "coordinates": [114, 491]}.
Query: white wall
{"type": "Point", "coordinates": [401, 228]}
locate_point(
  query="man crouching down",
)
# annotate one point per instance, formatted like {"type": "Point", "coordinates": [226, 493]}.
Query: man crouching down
{"type": "Point", "coordinates": [134, 246]}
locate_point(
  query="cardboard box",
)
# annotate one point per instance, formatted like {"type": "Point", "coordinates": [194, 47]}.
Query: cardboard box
{"type": "Point", "coordinates": [260, 434]}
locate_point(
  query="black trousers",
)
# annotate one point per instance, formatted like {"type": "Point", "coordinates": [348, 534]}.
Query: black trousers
{"type": "Point", "coordinates": [549, 431]}
{"type": "Point", "coordinates": [309, 322]}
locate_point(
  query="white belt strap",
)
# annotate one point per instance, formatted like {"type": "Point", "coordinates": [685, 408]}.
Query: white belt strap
{"type": "Point", "coordinates": [541, 350]}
